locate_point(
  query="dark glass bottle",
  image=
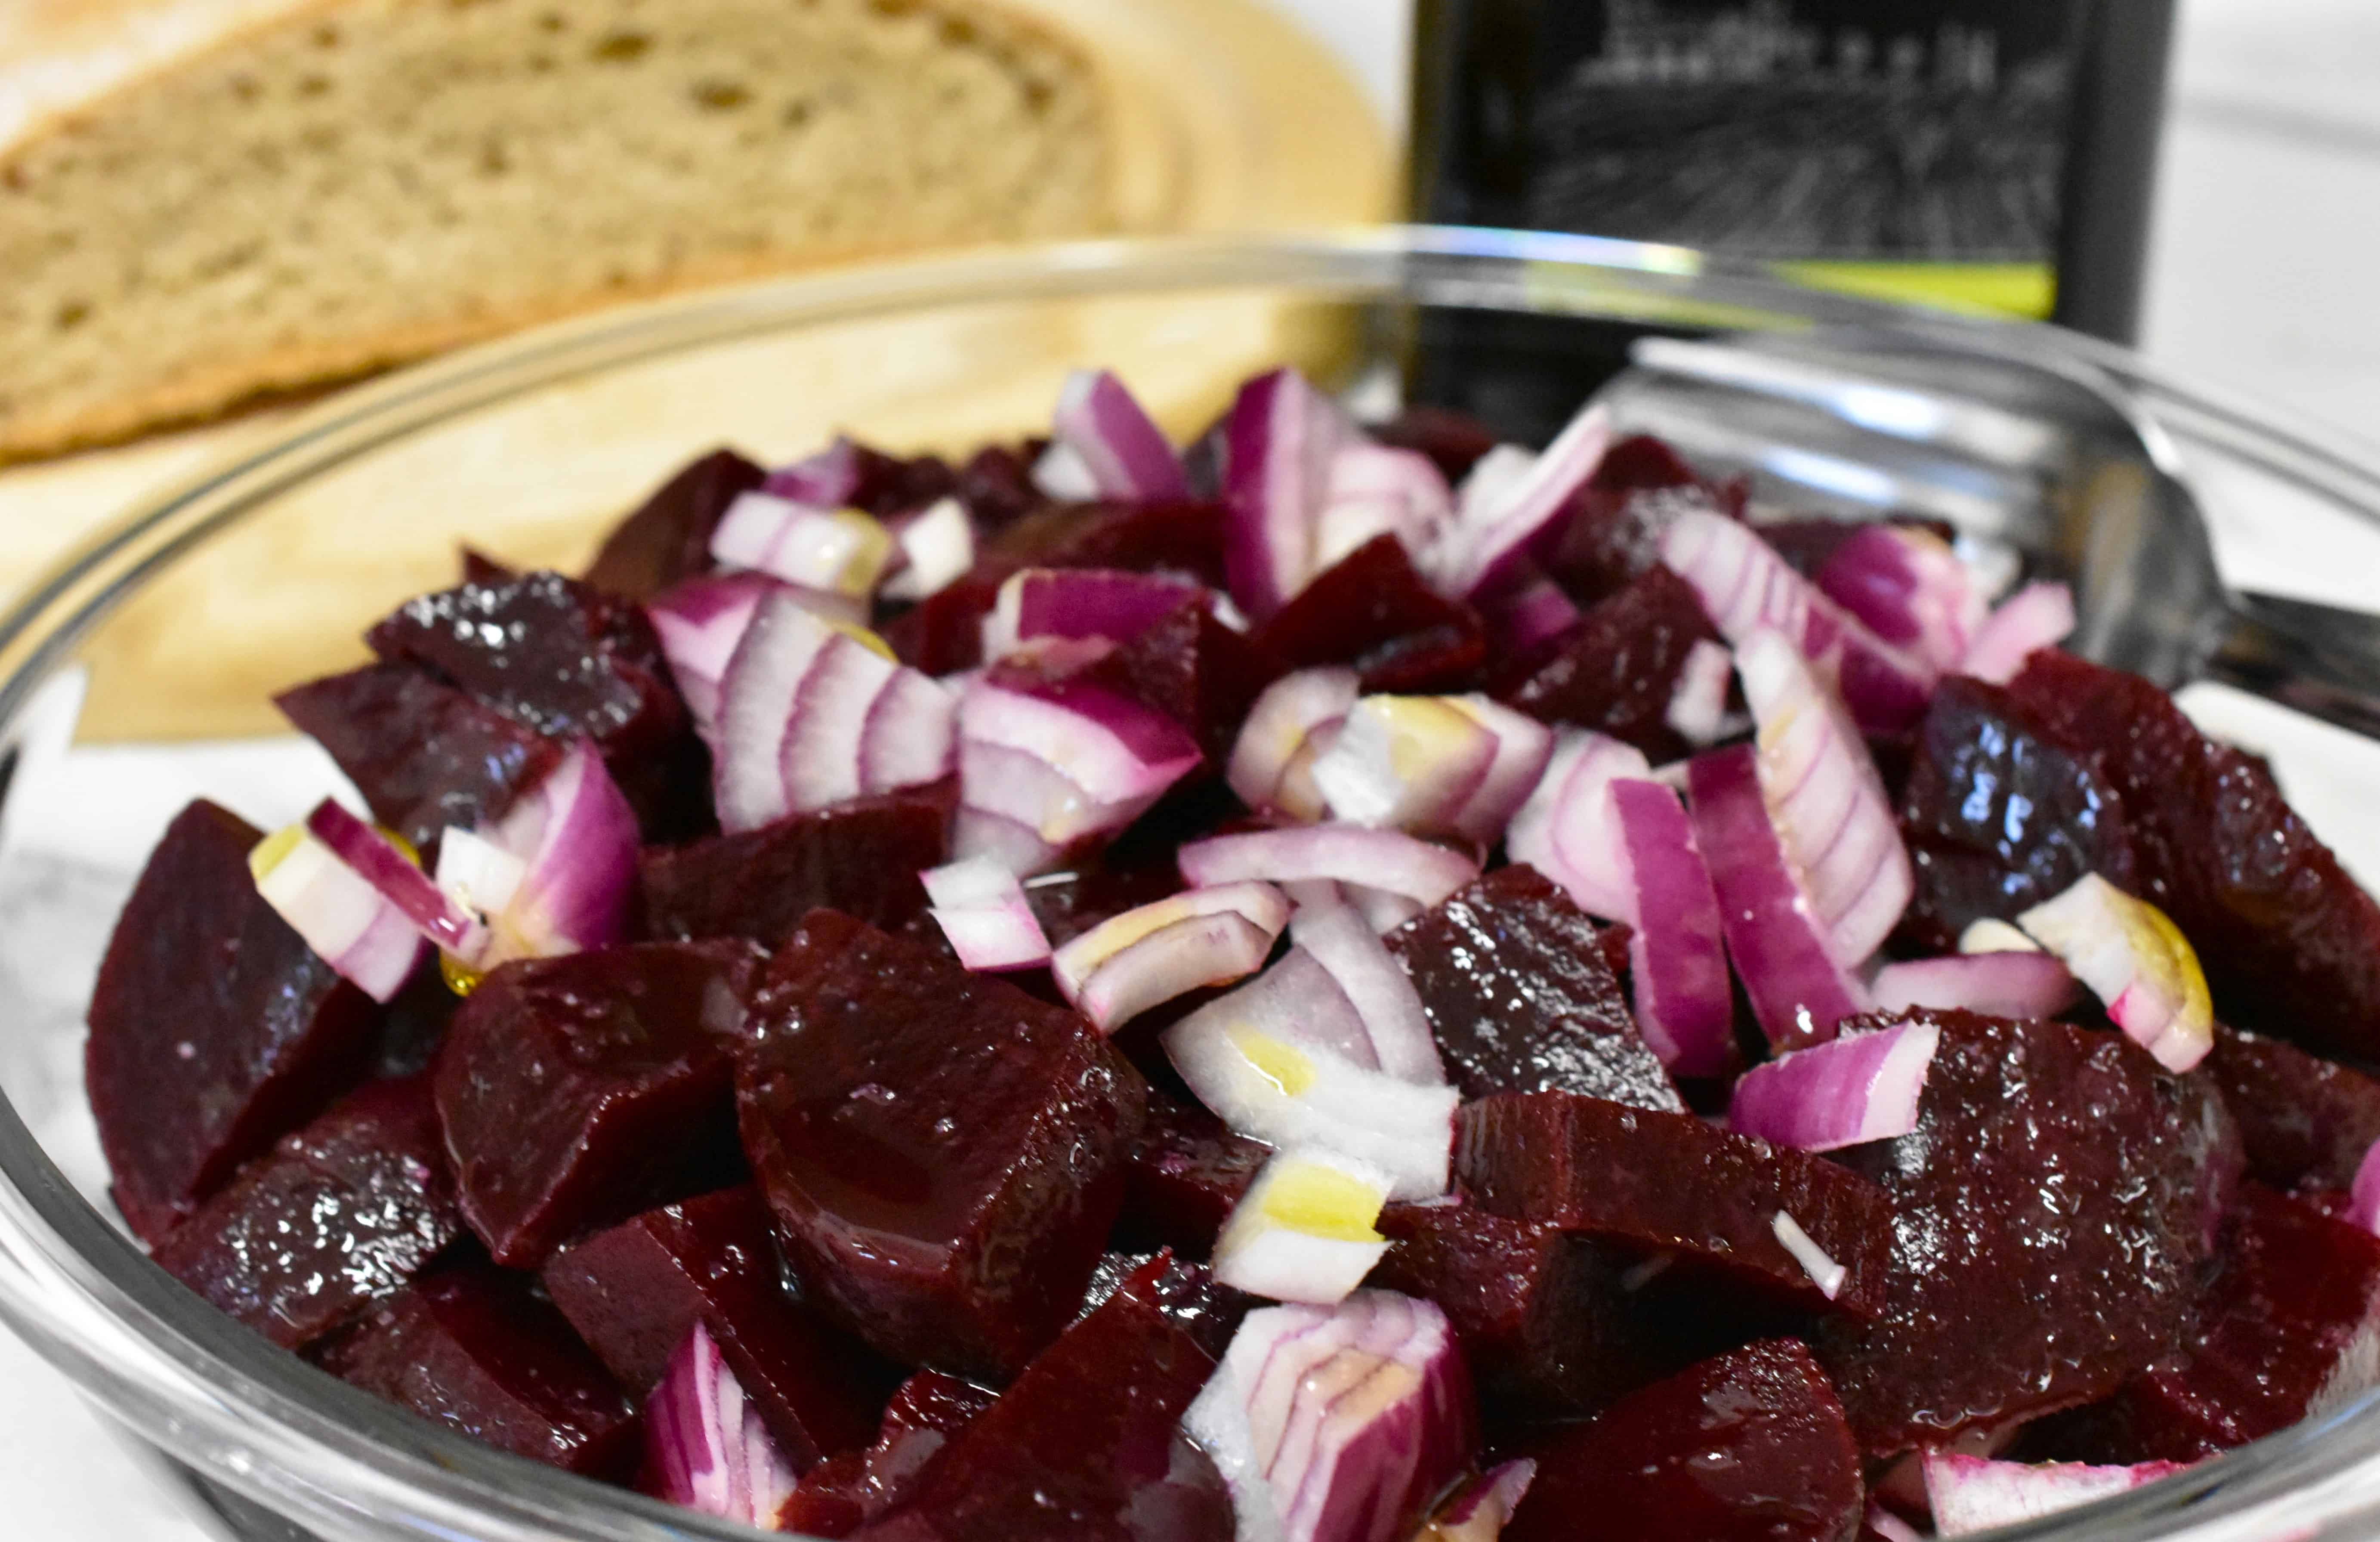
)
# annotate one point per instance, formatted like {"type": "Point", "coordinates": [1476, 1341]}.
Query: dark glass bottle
{"type": "Point", "coordinates": [1993, 152]}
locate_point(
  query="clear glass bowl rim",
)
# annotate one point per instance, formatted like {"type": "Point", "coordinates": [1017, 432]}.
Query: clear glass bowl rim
{"type": "Point", "coordinates": [179, 1376]}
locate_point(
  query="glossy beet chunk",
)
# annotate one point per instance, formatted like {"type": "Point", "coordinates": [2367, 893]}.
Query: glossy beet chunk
{"type": "Point", "coordinates": [1610, 536]}
{"type": "Point", "coordinates": [477, 1351]}
{"type": "Point", "coordinates": [1522, 998]}
{"type": "Point", "coordinates": [1750, 1447]}
{"type": "Point", "coordinates": [578, 1091]}
{"type": "Point", "coordinates": [1371, 610]}
{"type": "Point", "coordinates": [2304, 1122]}
{"type": "Point", "coordinates": [668, 536]}
{"type": "Point", "coordinates": [2001, 812]}
{"type": "Point", "coordinates": [1194, 670]}
{"type": "Point", "coordinates": [1188, 1172]}
{"type": "Point", "coordinates": [852, 1488]}
{"type": "Point", "coordinates": [2052, 1209]}
{"type": "Point", "coordinates": [862, 857]}
{"type": "Point", "coordinates": [1615, 669]}
{"type": "Point", "coordinates": [2290, 941]}
{"type": "Point", "coordinates": [339, 1214]}
{"type": "Point", "coordinates": [635, 1291]}
{"type": "Point", "coordinates": [1668, 1181]}
{"type": "Point", "coordinates": [944, 1154]}
{"type": "Point", "coordinates": [996, 486]}
{"type": "Point", "coordinates": [1185, 538]}
{"type": "Point", "coordinates": [2289, 1329]}
{"type": "Point", "coordinates": [423, 754]}
{"type": "Point", "coordinates": [1085, 1444]}
{"type": "Point", "coordinates": [1544, 1319]}
{"type": "Point", "coordinates": [214, 1028]}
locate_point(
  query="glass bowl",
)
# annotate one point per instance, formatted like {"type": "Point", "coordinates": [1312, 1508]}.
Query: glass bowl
{"type": "Point", "coordinates": [261, 572]}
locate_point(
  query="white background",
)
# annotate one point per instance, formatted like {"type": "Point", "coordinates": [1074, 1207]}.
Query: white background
{"type": "Point", "coordinates": [2261, 280]}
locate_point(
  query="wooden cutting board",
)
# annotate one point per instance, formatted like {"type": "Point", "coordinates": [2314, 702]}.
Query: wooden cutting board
{"type": "Point", "coordinates": [1228, 117]}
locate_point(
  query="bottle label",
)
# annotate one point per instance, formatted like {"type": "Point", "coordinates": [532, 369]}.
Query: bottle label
{"type": "Point", "coordinates": [1912, 148]}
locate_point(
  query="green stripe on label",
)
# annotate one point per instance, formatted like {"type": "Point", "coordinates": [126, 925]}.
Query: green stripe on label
{"type": "Point", "coordinates": [2007, 288]}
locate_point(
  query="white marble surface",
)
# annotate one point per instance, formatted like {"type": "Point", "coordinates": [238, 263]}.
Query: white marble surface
{"type": "Point", "coordinates": [2269, 211]}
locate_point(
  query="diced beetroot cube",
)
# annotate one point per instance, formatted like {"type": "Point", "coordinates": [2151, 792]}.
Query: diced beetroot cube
{"type": "Point", "coordinates": [1083, 1445]}
{"type": "Point", "coordinates": [943, 633]}
{"type": "Point", "coordinates": [1750, 1447]}
{"type": "Point", "coordinates": [944, 1154]}
{"type": "Point", "coordinates": [414, 1024]}
{"type": "Point", "coordinates": [477, 1351]}
{"type": "Point", "coordinates": [1184, 538]}
{"type": "Point", "coordinates": [1522, 998]}
{"type": "Point", "coordinates": [1188, 1172]}
{"type": "Point", "coordinates": [214, 1028]}
{"type": "Point", "coordinates": [668, 536]}
{"type": "Point", "coordinates": [1371, 610]}
{"type": "Point", "coordinates": [1657, 1180]}
{"type": "Point", "coordinates": [480, 568]}
{"type": "Point", "coordinates": [635, 1292]}
{"type": "Point", "coordinates": [1544, 1321]}
{"type": "Point", "coordinates": [840, 1494]}
{"type": "Point", "coordinates": [423, 754]}
{"type": "Point", "coordinates": [862, 857]}
{"type": "Point", "coordinates": [578, 1091]}
{"type": "Point", "coordinates": [1615, 669]}
{"type": "Point", "coordinates": [2052, 1208]}
{"type": "Point", "coordinates": [1453, 441]}
{"type": "Point", "coordinates": [2303, 1121]}
{"type": "Point", "coordinates": [2290, 942]}
{"type": "Point", "coordinates": [1210, 1312]}
{"type": "Point", "coordinates": [890, 484]}
{"type": "Point", "coordinates": [1193, 669]}
{"type": "Point", "coordinates": [996, 485]}
{"type": "Point", "coordinates": [2286, 1332]}
{"type": "Point", "coordinates": [1612, 535]}
{"type": "Point", "coordinates": [2001, 812]}
{"type": "Point", "coordinates": [338, 1215]}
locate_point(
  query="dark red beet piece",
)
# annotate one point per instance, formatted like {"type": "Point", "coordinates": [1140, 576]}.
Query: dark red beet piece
{"type": "Point", "coordinates": [1610, 534]}
{"type": "Point", "coordinates": [943, 633]}
{"type": "Point", "coordinates": [480, 568]}
{"type": "Point", "coordinates": [2001, 812]}
{"type": "Point", "coordinates": [337, 1215]}
{"type": "Point", "coordinates": [2051, 1211]}
{"type": "Point", "coordinates": [2290, 942]}
{"type": "Point", "coordinates": [944, 1154]}
{"type": "Point", "coordinates": [1670, 1182]}
{"type": "Point", "coordinates": [1371, 610]}
{"type": "Point", "coordinates": [414, 1024]}
{"type": "Point", "coordinates": [2303, 1121]}
{"type": "Point", "coordinates": [996, 485]}
{"type": "Point", "coordinates": [1085, 1444]}
{"type": "Point", "coordinates": [1453, 441]}
{"type": "Point", "coordinates": [635, 1292]}
{"type": "Point", "coordinates": [1210, 1312]}
{"type": "Point", "coordinates": [1193, 669]}
{"type": "Point", "coordinates": [1521, 998]}
{"type": "Point", "coordinates": [423, 754]}
{"type": "Point", "coordinates": [1750, 1447]}
{"type": "Point", "coordinates": [1544, 1321]}
{"type": "Point", "coordinates": [1615, 669]}
{"type": "Point", "coordinates": [1185, 538]}
{"type": "Point", "coordinates": [578, 1091]}
{"type": "Point", "coordinates": [2288, 1330]}
{"type": "Point", "coordinates": [840, 1494]}
{"type": "Point", "coordinates": [477, 1351]}
{"type": "Point", "coordinates": [1187, 1172]}
{"type": "Point", "coordinates": [896, 484]}
{"type": "Point", "coordinates": [862, 857]}
{"type": "Point", "coordinates": [214, 1028]}
{"type": "Point", "coordinates": [668, 536]}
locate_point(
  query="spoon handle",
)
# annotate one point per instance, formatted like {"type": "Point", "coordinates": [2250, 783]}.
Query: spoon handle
{"type": "Point", "coordinates": [2319, 658]}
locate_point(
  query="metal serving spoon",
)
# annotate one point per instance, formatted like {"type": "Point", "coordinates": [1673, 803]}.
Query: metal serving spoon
{"type": "Point", "coordinates": [2050, 459]}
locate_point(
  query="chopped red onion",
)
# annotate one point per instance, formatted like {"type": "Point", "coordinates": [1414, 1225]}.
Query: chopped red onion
{"type": "Point", "coordinates": [706, 1445]}
{"type": "Point", "coordinates": [699, 622]}
{"type": "Point", "coordinates": [1973, 1493]}
{"type": "Point", "coordinates": [1567, 829]}
{"type": "Point", "coordinates": [1522, 746]}
{"type": "Point", "coordinates": [911, 734]}
{"type": "Point", "coordinates": [826, 480]}
{"type": "Point", "coordinates": [1531, 612]}
{"type": "Point", "coordinates": [1340, 1424]}
{"type": "Point", "coordinates": [2364, 1198]}
{"type": "Point", "coordinates": [378, 861]}
{"type": "Point", "coordinates": [350, 922]}
{"type": "Point", "coordinates": [1151, 953]}
{"type": "Point", "coordinates": [1685, 1004]}
{"type": "Point", "coordinates": [1062, 473]}
{"type": "Point", "coordinates": [937, 548]}
{"type": "Point", "coordinates": [758, 695]}
{"type": "Point", "coordinates": [1065, 761]}
{"type": "Point", "coordinates": [1299, 1000]}
{"type": "Point", "coordinates": [820, 746]}
{"type": "Point", "coordinates": [1827, 802]}
{"type": "Point", "coordinates": [1883, 1523]}
{"type": "Point", "coordinates": [1746, 586]}
{"type": "Point", "coordinates": [2022, 984]}
{"type": "Point", "coordinates": [1375, 490]}
{"type": "Point", "coordinates": [2035, 617]}
{"type": "Point", "coordinates": [978, 834]}
{"type": "Point", "coordinates": [982, 909]}
{"type": "Point", "coordinates": [1697, 711]}
{"type": "Point", "coordinates": [1396, 1028]}
{"type": "Point", "coordinates": [1798, 992]}
{"type": "Point", "coordinates": [1824, 1272]}
{"type": "Point", "coordinates": [1406, 763]}
{"type": "Point", "coordinates": [1304, 1229]}
{"type": "Point", "coordinates": [1279, 441]}
{"type": "Point", "coordinates": [1989, 936]}
{"type": "Point", "coordinates": [1479, 1510]}
{"type": "Point", "coordinates": [1910, 588]}
{"type": "Point", "coordinates": [1383, 859]}
{"type": "Point", "coordinates": [1277, 732]}
{"type": "Point", "coordinates": [1127, 456]}
{"type": "Point", "coordinates": [2135, 960]}
{"type": "Point", "coordinates": [577, 838]}
{"type": "Point", "coordinates": [835, 550]}
{"type": "Point", "coordinates": [1480, 551]}
{"type": "Point", "coordinates": [1842, 1093]}
{"type": "Point", "coordinates": [1077, 602]}
{"type": "Point", "coordinates": [1490, 482]}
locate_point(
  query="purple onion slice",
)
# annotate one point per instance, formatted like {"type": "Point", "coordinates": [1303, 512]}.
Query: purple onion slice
{"type": "Point", "coordinates": [1842, 1093]}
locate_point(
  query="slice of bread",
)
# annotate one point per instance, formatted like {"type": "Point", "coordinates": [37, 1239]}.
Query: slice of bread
{"type": "Point", "coordinates": [360, 182]}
